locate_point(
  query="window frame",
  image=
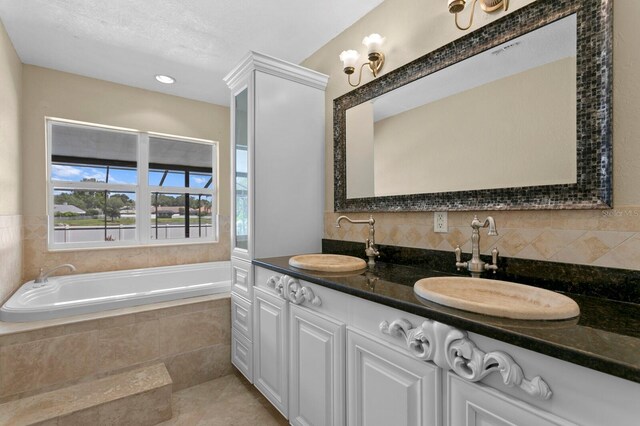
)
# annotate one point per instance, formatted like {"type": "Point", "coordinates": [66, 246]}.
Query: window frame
{"type": "Point", "coordinates": [141, 189]}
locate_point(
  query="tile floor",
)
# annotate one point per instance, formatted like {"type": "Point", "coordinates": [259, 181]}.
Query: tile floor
{"type": "Point", "coordinates": [227, 401]}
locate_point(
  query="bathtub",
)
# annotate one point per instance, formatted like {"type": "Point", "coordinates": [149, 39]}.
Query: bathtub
{"type": "Point", "coordinates": [79, 294]}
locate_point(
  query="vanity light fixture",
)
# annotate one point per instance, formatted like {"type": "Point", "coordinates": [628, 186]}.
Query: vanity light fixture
{"type": "Point", "coordinates": [375, 56]}
{"type": "Point", "coordinates": [488, 6]}
{"type": "Point", "coordinates": [165, 79]}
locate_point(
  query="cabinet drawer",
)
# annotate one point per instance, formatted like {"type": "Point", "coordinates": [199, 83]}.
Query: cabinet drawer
{"type": "Point", "coordinates": [263, 276]}
{"type": "Point", "coordinates": [242, 278]}
{"type": "Point", "coordinates": [304, 293]}
{"type": "Point", "coordinates": [241, 314]}
{"type": "Point", "coordinates": [242, 354]}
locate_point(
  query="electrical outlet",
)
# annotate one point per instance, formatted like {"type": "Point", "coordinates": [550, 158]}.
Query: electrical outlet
{"type": "Point", "coordinates": [440, 222]}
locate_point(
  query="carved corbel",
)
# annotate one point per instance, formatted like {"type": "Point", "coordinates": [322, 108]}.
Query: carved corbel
{"type": "Point", "coordinates": [277, 285]}
{"type": "Point", "coordinates": [290, 289]}
{"type": "Point", "coordinates": [451, 349]}
{"type": "Point", "coordinates": [298, 294]}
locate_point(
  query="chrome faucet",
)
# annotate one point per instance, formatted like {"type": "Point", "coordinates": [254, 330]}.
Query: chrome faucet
{"type": "Point", "coordinates": [44, 276]}
{"type": "Point", "coordinates": [370, 246]}
{"type": "Point", "coordinates": [476, 266]}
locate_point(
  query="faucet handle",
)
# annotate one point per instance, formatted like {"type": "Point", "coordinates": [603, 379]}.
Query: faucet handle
{"type": "Point", "coordinates": [458, 253]}
{"type": "Point", "coordinates": [494, 256]}
{"type": "Point", "coordinates": [494, 261]}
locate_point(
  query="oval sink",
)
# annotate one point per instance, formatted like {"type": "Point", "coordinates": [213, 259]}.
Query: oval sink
{"type": "Point", "coordinates": [327, 262]}
{"type": "Point", "coordinates": [498, 298]}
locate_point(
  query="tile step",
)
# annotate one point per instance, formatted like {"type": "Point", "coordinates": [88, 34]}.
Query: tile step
{"type": "Point", "coordinates": [136, 397]}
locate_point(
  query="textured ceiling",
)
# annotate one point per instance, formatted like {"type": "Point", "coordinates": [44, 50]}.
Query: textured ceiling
{"type": "Point", "coordinates": [195, 41]}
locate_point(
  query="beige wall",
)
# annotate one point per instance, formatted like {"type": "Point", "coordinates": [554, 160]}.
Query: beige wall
{"type": "Point", "coordinates": [606, 238]}
{"type": "Point", "coordinates": [57, 94]}
{"type": "Point", "coordinates": [10, 166]}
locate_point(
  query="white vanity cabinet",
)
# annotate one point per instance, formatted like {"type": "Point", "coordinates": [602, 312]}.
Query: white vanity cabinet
{"type": "Point", "coordinates": [277, 170]}
{"type": "Point", "coordinates": [324, 357]}
{"type": "Point", "coordinates": [299, 351]}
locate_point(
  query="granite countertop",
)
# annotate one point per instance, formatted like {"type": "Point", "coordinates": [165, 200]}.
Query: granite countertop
{"type": "Point", "coordinates": [605, 337]}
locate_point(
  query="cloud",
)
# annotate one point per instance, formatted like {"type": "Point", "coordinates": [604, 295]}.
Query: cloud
{"type": "Point", "coordinates": [78, 173]}
{"type": "Point", "coordinates": [58, 171]}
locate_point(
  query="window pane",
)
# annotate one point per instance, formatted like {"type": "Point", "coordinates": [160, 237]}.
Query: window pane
{"type": "Point", "coordinates": [88, 173]}
{"type": "Point", "coordinates": [92, 216]}
{"type": "Point", "coordinates": [181, 164]}
{"type": "Point", "coordinates": [82, 153]}
{"type": "Point", "coordinates": [241, 216]}
{"type": "Point", "coordinates": [200, 180]}
{"type": "Point", "coordinates": [170, 221]}
{"type": "Point", "coordinates": [166, 178]}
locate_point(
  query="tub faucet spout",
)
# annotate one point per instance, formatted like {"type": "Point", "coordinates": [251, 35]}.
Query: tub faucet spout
{"type": "Point", "coordinates": [43, 277]}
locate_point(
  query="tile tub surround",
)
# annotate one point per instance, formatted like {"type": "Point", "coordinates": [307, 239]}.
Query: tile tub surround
{"type": "Point", "coordinates": [191, 337]}
{"type": "Point", "coordinates": [36, 254]}
{"type": "Point", "coordinates": [607, 238]}
{"type": "Point", "coordinates": [10, 255]}
{"type": "Point", "coordinates": [606, 336]}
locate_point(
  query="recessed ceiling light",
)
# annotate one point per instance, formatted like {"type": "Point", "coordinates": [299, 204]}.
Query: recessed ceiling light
{"type": "Point", "coordinates": [166, 79]}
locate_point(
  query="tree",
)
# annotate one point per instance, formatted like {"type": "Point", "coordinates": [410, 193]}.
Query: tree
{"type": "Point", "coordinates": [114, 204]}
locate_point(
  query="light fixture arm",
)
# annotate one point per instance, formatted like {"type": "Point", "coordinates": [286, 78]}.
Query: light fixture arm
{"type": "Point", "coordinates": [374, 64]}
{"type": "Point", "coordinates": [487, 5]}
{"type": "Point", "coordinates": [473, 8]}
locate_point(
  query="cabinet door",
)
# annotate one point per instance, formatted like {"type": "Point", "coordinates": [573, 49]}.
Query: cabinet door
{"type": "Point", "coordinates": [471, 404]}
{"type": "Point", "coordinates": [388, 387]}
{"type": "Point", "coordinates": [241, 176]}
{"type": "Point", "coordinates": [270, 348]}
{"type": "Point", "coordinates": [317, 367]}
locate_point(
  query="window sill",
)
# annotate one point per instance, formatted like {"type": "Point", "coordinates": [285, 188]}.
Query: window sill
{"type": "Point", "coordinates": [131, 246]}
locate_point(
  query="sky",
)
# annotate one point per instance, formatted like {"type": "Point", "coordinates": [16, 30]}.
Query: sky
{"type": "Point", "coordinates": [74, 173]}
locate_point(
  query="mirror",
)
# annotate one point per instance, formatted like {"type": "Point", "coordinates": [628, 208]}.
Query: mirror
{"type": "Point", "coordinates": [512, 123]}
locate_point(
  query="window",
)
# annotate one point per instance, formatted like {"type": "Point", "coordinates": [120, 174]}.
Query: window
{"type": "Point", "coordinates": [117, 187]}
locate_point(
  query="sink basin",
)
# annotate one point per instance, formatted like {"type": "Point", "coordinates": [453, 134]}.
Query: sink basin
{"type": "Point", "coordinates": [498, 298]}
{"type": "Point", "coordinates": [327, 262]}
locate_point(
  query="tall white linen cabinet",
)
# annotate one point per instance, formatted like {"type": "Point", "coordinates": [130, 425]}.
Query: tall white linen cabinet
{"type": "Point", "coordinates": [277, 166]}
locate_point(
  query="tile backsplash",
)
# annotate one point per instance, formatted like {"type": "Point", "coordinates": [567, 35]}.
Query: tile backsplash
{"type": "Point", "coordinates": [608, 238]}
{"type": "Point", "coordinates": [36, 254]}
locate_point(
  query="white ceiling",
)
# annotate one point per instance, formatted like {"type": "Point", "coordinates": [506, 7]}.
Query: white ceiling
{"type": "Point", "coordinates": [197, 41]}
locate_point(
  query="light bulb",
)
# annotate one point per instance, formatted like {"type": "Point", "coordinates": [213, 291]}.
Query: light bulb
{"type": "Point", "coordinates": [165, 79]}
{"type": "Point", "coordinates": [373, 43]}
{"type": "Point", "coordinates": [349, 58]}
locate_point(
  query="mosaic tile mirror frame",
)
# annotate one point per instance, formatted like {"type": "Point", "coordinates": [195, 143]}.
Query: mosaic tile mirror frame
{"type": "Point", "coordinates": [593, 187]}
